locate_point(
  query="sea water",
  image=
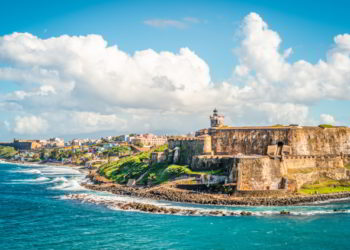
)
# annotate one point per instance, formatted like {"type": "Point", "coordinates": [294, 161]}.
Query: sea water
{"type": "Point", "coordinates": [34, 214]}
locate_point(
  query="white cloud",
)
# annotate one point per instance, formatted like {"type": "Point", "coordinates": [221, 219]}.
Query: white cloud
{"type": "Point", "coordinates": [30, 125]}
{"type": "Point", "coordinates": [301, 82]}
{"type": "Point", "coordinates": [327, 119]}
{"type": "Point", "coordinates": [88, 122]}
{"type": "Point", "coordinates": [79, 84]}
{"type": "Point", "coordinates": [163, 23]}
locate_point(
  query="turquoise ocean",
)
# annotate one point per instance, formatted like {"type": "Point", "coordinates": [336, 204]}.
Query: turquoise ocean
{"type": "Point", "coordinates": [34, 214]}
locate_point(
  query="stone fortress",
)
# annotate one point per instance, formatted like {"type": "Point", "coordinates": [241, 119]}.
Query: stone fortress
{"type": "Point", "coordinates": [266, 158]}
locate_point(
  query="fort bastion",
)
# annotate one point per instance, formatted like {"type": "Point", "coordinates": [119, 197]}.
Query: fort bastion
{"type": "Point", "coordinates": [266, 158]}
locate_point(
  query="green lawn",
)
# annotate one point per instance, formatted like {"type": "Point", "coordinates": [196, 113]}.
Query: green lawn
{"type": "Point", "coordinates": [326, 187]}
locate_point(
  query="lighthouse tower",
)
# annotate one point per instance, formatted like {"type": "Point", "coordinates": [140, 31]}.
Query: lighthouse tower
{"type": "Point", "coordinates": [216, 120]}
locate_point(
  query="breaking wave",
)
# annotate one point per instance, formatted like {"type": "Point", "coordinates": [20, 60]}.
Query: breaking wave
{"type": "Point", "coordinates": [27, 171]}
{"type": "Point", "coordinates": [71, 184]}
{"type": "Point", "coordinates": [56, 177]}
{"type": "Point", "coordinates": [36, 180]}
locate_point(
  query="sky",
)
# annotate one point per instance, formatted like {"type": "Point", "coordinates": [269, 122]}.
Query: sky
{"type": "Point", "coordinates": [88, 68]}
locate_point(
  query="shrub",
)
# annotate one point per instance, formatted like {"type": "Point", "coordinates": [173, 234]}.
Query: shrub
{"type": "Point", "coordinates": [326, 126]}
{"type": "Point", "coordinates": [176, 170]}
{"type": "Point", "coordinates": [161, 148]}
{"type": "Point", "coordinates": [277, 125]}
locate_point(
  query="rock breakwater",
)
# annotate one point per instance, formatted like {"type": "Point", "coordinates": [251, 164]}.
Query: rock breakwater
{"type": "Point", "coordinates": [172, 194]}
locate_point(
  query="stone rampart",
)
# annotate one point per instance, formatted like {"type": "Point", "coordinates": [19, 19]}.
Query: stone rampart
{"type": "Point", "coordinates": [187, 148]}
{"type": "Point", "coordinates": [302, 140]}
{"type": "Point", "coordinates": [246, 141]}
{"type": "Point", "coordinates": [265, 173]}
{"type": "Point", "coordinates": [259, 174]}
{"type": "Point", "coordinates": [308, 169]}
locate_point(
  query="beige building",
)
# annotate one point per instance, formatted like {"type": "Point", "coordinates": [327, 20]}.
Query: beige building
{"type": "Point", "coordinates": [149, 140]}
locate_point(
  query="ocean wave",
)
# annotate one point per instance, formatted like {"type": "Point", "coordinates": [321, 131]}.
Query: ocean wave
{"type": "Point", "coordinates": [60, 171]}
{"type": "Point", "coordinates": [27, 171]}
{"type": "Point", "coordinates": [71, 184]}
{"type": "Point", "coordinates": [58, 179]}
{"type": "Point", "coordinates": [38, 180]}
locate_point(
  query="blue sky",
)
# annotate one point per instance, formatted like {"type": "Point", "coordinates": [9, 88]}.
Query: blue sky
{"type": "Point", "coordinates": [210, 29]}
{"type": "Point", "coordinates": [304, 25]}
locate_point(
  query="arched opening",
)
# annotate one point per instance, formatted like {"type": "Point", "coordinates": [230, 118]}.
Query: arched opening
{"type": "Point", "coordinates": [280, 144]}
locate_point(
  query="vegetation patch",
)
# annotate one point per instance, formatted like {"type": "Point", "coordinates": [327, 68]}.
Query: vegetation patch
{"type": "Point", "coordinates": [161, 148]}
{"type": "Point", "coordinates": [7, 152]}
{"type": "Point", "coordinates": [117, 151]}
{"type": "Point", "coordinates": [326, 186]}
{"type": "Point", "coordinates": [129, 167]}
{"type": "Point", "coordinates": [137, 167]}
{"type": "Point", "coordinates": [326, 126]}
{"type": "Point", "coordinates": [277, 126]}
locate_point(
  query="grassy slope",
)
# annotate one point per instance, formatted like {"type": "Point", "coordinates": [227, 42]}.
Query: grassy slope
{"type": "Point", "coordinates": [7, 152]}
{"type": "Point", "coordinates": [133, 167]}
{"type": "Point", "coordinates": [326, 187]}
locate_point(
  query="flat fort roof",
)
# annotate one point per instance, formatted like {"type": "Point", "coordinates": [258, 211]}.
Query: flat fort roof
{"type": "Point", "coordinates": [275, 127]}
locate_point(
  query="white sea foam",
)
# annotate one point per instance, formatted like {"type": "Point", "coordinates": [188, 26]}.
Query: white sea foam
{"type": "Point", "coordinates": [36, 180]}
{"type": "Point", "coordinates": [60, 171]}
{"type": "Point", "coordinates": [58, 179]}
{"type": "Point", "coordinates": [68, 184]}
{"type": "Point", "coordinates": [27, 171]}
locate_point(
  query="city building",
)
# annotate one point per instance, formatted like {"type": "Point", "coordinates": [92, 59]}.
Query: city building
{"type": "Point", "coordinates": [149, 140]}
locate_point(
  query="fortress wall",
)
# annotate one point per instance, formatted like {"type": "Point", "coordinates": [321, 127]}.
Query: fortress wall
{"type": "Point", "coordinates": [246, 141]}
{"type": "Point", "coordinates": [308, 169]}
{"type": "Point", "coordinates": [259, 174]}
{"type": "Point", "coordinates": [303, 141]}
{"type": "Point", "coordinates": [227, 165]}
{"type": "Point", "coordinates": [265, 173]}
{"type": "Point", "coordinates": [319, 141]}
{"type": "Point", "coordinates": [188, 148]}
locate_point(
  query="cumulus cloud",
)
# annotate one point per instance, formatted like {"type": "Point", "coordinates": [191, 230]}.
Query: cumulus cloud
{"type": "Point", "coordinates": [88, 122]}
{"type": "Point", "coordinates": [30, 125]}
{"type": "Point", "coordinates": [327, 119]}
{"type": "Point", "coordinates": [80, 84]}
{"type": "Point", "coordinates": [301, 82]}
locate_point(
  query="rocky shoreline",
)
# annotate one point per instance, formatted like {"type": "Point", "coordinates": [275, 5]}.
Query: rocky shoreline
{"type": "Point", "coordinates": [151, 208]}
{"type": "Point", "coordinates": [169, 192]}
